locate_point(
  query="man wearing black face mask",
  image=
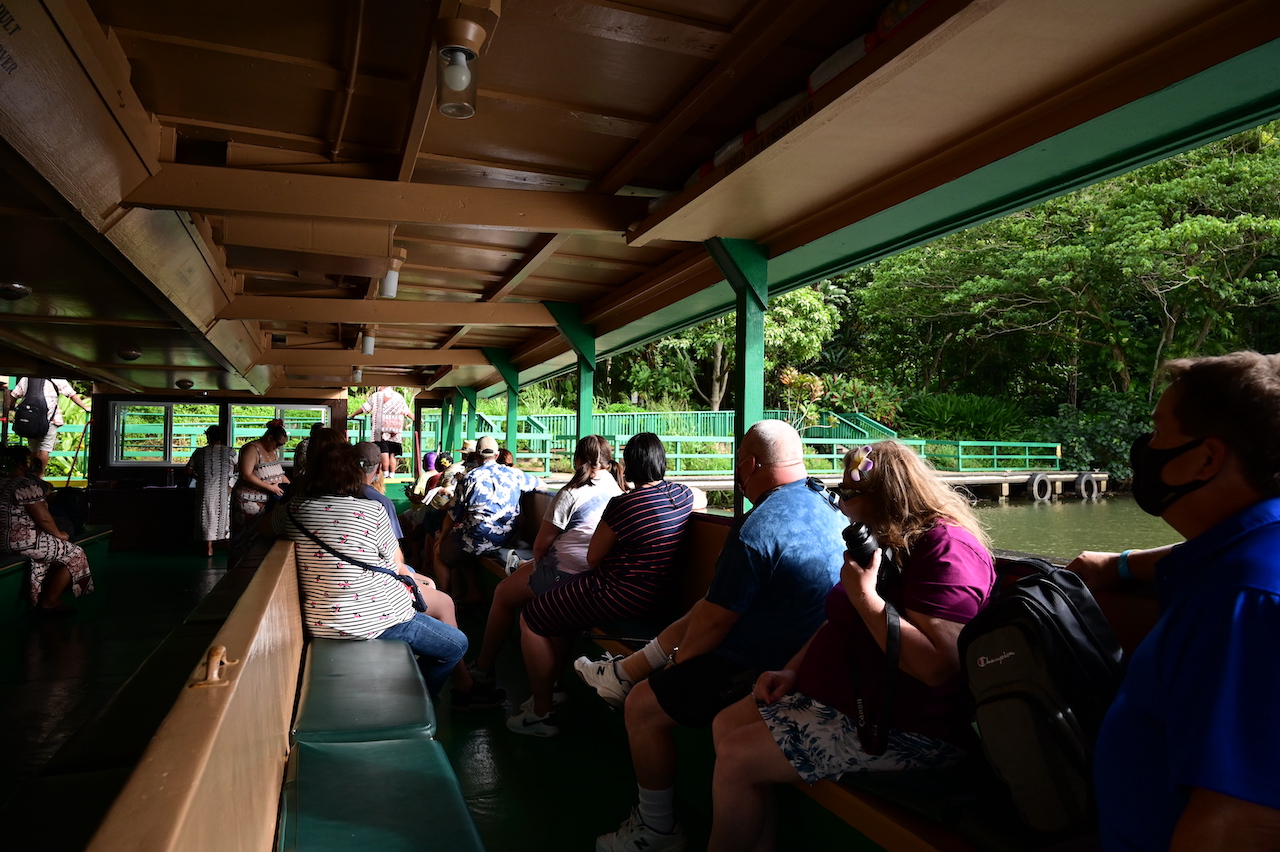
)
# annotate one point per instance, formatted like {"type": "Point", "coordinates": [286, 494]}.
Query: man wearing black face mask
{"type": "Point", "coordinates": [1188, 753]}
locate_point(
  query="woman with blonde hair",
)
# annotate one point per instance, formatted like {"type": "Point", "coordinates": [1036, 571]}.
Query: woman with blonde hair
{"type": "Point", "coordinates": [825, 714]}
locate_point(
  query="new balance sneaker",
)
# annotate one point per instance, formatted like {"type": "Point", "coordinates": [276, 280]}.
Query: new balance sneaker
{"type": "Point", "coordinates": [634, 836]}
{"type": "Point", "coordinates": [480, 697]}
{"type": "Point", "coordinates": [525, 722]}
{"type": "Point", "coordinates": [602, 676]}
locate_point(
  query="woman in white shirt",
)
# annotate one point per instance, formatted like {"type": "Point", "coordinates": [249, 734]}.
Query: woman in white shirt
{"type": "Point", "coordinates": [559, 551]}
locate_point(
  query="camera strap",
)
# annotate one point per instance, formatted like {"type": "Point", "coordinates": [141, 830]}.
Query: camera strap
{"type": "Point", "coordinates": [874, 736]}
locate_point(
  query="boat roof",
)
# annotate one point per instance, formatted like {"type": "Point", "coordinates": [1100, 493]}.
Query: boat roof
{"type": "Point", "coordinates": [219, 189]}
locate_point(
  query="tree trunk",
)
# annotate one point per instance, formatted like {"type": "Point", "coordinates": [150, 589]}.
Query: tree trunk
{"type": "Point", "coordinates": [718, 372]}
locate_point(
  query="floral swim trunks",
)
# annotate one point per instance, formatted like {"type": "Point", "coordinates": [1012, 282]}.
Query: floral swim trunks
{"type": "Point", "coordinates": [821, 742]}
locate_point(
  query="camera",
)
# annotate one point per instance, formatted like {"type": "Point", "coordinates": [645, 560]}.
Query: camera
{"type": "Point", "coordinates": [860, 542]}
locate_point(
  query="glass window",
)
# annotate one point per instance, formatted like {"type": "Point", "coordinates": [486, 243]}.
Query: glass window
{"type": "Point", "coordinates": [141, 433]}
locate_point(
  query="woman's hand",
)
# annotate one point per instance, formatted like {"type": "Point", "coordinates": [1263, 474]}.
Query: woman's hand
{"type": "Point", "coordinates": [860, 580]}
{"type": "Point", "coordinates": [771, 686]}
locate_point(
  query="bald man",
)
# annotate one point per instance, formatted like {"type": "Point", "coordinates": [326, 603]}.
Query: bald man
{"type": "Point", "coordinates": [764, 603]}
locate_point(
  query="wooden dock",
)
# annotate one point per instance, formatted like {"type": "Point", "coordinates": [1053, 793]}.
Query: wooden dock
{"type": "Point", "coordinates": [990, 485]}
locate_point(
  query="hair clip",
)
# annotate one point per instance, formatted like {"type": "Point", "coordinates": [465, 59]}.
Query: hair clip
{"type": "Point", "coordinates": [859, 464]}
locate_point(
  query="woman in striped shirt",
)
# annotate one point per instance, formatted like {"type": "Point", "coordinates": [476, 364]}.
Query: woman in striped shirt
{"type": "Point", "coordinates": [340, 598]}
{"type": "Point", "coordinates": [633, 554]}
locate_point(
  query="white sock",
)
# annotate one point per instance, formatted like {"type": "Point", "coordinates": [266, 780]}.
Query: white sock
{"type": "Point", "coordinates": [658, 809]}
{"type": "Point", "coordinates": [654, 655]}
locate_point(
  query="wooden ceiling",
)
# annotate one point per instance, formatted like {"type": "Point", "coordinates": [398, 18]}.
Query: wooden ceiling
{"type": "Point", "coordinates": [223, 185]}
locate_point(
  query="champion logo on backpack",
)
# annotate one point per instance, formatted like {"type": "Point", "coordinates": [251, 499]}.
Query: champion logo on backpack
{"type": "Point", "coordinates": [983, 662]}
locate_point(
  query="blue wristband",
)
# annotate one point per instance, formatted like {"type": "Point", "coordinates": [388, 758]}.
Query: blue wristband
{"type": "Point", "coordinates": [1125, 573]}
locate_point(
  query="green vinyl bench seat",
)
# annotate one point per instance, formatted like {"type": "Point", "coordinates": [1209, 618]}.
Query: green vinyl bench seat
{"type": "Point", "coordinates": [389, 796]}
{"type": "Point", "coordinates": [362, 690]}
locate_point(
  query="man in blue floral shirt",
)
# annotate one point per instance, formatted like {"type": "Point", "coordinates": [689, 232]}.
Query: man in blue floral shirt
{"type": "Point", "coordinates": [483, 520]}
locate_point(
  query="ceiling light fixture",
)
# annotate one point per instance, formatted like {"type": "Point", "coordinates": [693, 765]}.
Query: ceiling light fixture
{"type": "Point", "coordinates": [367, 342]}
{"type": "Point", "coordinates": [459, 41]}
{"type": "Point", "coordinates": [357, 375]}
{"type": "Point", "coordinates": [12, 291]}
{"type": "Point", "coordinates": [129, 353]}
{"type": "Point", "coordinates": [185, 384]}
{"type": "Point", "coordinates": [390, 283]}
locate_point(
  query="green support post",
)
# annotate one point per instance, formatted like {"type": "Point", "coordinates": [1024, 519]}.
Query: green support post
{"type": "Point", "coordinates": [745, 266]}
{"type": "Point", "coordinates": [501, 361]}
{"type": "Point", "coordinates": [469, 394]}
{"type": "Point", "coordinates": [455, 424]}
{"type": "Point", "coordinates": [582, 338]}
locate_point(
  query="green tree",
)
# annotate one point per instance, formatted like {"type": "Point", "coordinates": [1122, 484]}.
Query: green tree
{"type": "Point", "coordinates": [796, 326]}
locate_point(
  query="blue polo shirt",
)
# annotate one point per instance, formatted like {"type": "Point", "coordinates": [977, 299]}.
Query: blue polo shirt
{"type": "Point", "coordinates": [371, 493]}
{"type": "Point", "coordinates": [775, 569]}
{"type": "Point", "coordinates": [1200, 705]}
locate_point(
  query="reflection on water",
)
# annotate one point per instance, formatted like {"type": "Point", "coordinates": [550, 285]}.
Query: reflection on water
{"type": "Point", "coordinates": [1063, 528]}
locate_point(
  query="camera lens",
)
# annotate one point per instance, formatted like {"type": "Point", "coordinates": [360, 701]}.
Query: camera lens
{"type": "Point", "coordinates": [860, 543]}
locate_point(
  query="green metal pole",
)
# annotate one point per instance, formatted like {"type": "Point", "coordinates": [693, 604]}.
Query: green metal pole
{"type": "Point", "coordinates": [469, 394]}
{"type": "Point", "coordinates": [582, 338]}
{"type": "Point", "coordinates": [501, 361]}
{"type": "Point", "coordinates": [745, 266]}
{"type": "Point", "coordinates": [455, 423]}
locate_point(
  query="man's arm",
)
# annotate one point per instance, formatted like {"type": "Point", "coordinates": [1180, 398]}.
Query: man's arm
{"type": "Point", "coordinates": [1214, 821]}
{"type": "Point", "coordinates": [708, 625]}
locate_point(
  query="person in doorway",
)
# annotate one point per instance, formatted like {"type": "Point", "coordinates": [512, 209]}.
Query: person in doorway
{"type": "Point", "coordinates": [53, 390]}
{"type": "Point", "coordinates": [765, 601]}
{"type": "Point", "coordinates": [27, 530]}
{"type": "Point", "coordinates": [801, 722]}
{"type": "Point", "coordinates": [213, 467]}
{"type": "Point", "coordinates": [387, 411]}
{"type": "Point", "coordinates": [1187, 752]}
{"type": "Point", "coordinates": [261, 476]}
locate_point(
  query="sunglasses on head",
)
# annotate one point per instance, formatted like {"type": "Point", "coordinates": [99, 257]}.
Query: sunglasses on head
{"type": "Point", "coordinates": [840, 492]}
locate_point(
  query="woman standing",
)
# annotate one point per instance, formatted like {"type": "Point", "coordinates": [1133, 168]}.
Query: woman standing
{"type": "Point", "coordinates": [214, 468]}
{"type": "Point", "coordinates": [27, 530]}
{"type": "Point", "coordinates": [801, 722]}
{"type": "Point", "coordinates": [261, 474]}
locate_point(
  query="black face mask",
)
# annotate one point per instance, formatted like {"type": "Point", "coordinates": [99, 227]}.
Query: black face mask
{"type": "Point", "coordinates": [1150, 492]}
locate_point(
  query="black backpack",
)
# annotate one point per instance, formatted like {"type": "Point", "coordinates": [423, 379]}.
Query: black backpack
{"type": "Point", "coordinates": [1043, 666]}
{"type": "Point", "coordinates": [31, 418]}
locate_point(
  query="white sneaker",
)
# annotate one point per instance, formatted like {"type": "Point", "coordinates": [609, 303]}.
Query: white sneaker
{"type": "Point", "coordinates": [557, 698]}
{"type": "Point", "coordinates": [602, 676]}
{"type": "Point", "coordinates": [525, 722]}
{"type": "Point", "coordinates": [634, 836]}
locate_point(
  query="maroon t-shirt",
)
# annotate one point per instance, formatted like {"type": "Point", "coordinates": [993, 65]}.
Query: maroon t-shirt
{"type": "Point", "coordinates": [948, 575]}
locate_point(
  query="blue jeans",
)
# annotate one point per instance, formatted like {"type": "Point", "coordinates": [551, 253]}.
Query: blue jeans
{"type": "Point", "coordinates": [439, 647]}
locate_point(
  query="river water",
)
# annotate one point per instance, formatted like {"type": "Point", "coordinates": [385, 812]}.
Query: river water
{"type": "Point", "coordinates": [1065, 527]}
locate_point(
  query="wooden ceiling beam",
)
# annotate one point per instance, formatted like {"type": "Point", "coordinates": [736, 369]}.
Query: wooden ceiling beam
{"type": "Point", "coordinates": [210, 189]}
{"type": "Point", "coordinates": [225, 131]}
{"type": "Point", "coordinates": [765, 28]}
{"type": "Point", "coordinates": [267, 65]}
{"type": "Point", "coordinates": [296, 359]}
{"type": "Point", "coordinates": [630, 24]}
{"type": "Point", "coordinates": [392, 312]}
{"type": "Point", "coordinates": [540, 252]}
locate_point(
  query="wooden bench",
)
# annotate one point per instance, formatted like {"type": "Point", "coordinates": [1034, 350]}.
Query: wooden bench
{"type": "Point", "coordinates": [220, 772]}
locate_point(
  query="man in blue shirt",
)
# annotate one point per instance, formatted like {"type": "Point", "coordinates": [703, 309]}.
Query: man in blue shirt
{"type": "Point", "coordinates": [484, 517]}
{"type": "Point", "coordinates": [1187, 757]}
{"type": "Point", "coordinates": [765, 601]}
